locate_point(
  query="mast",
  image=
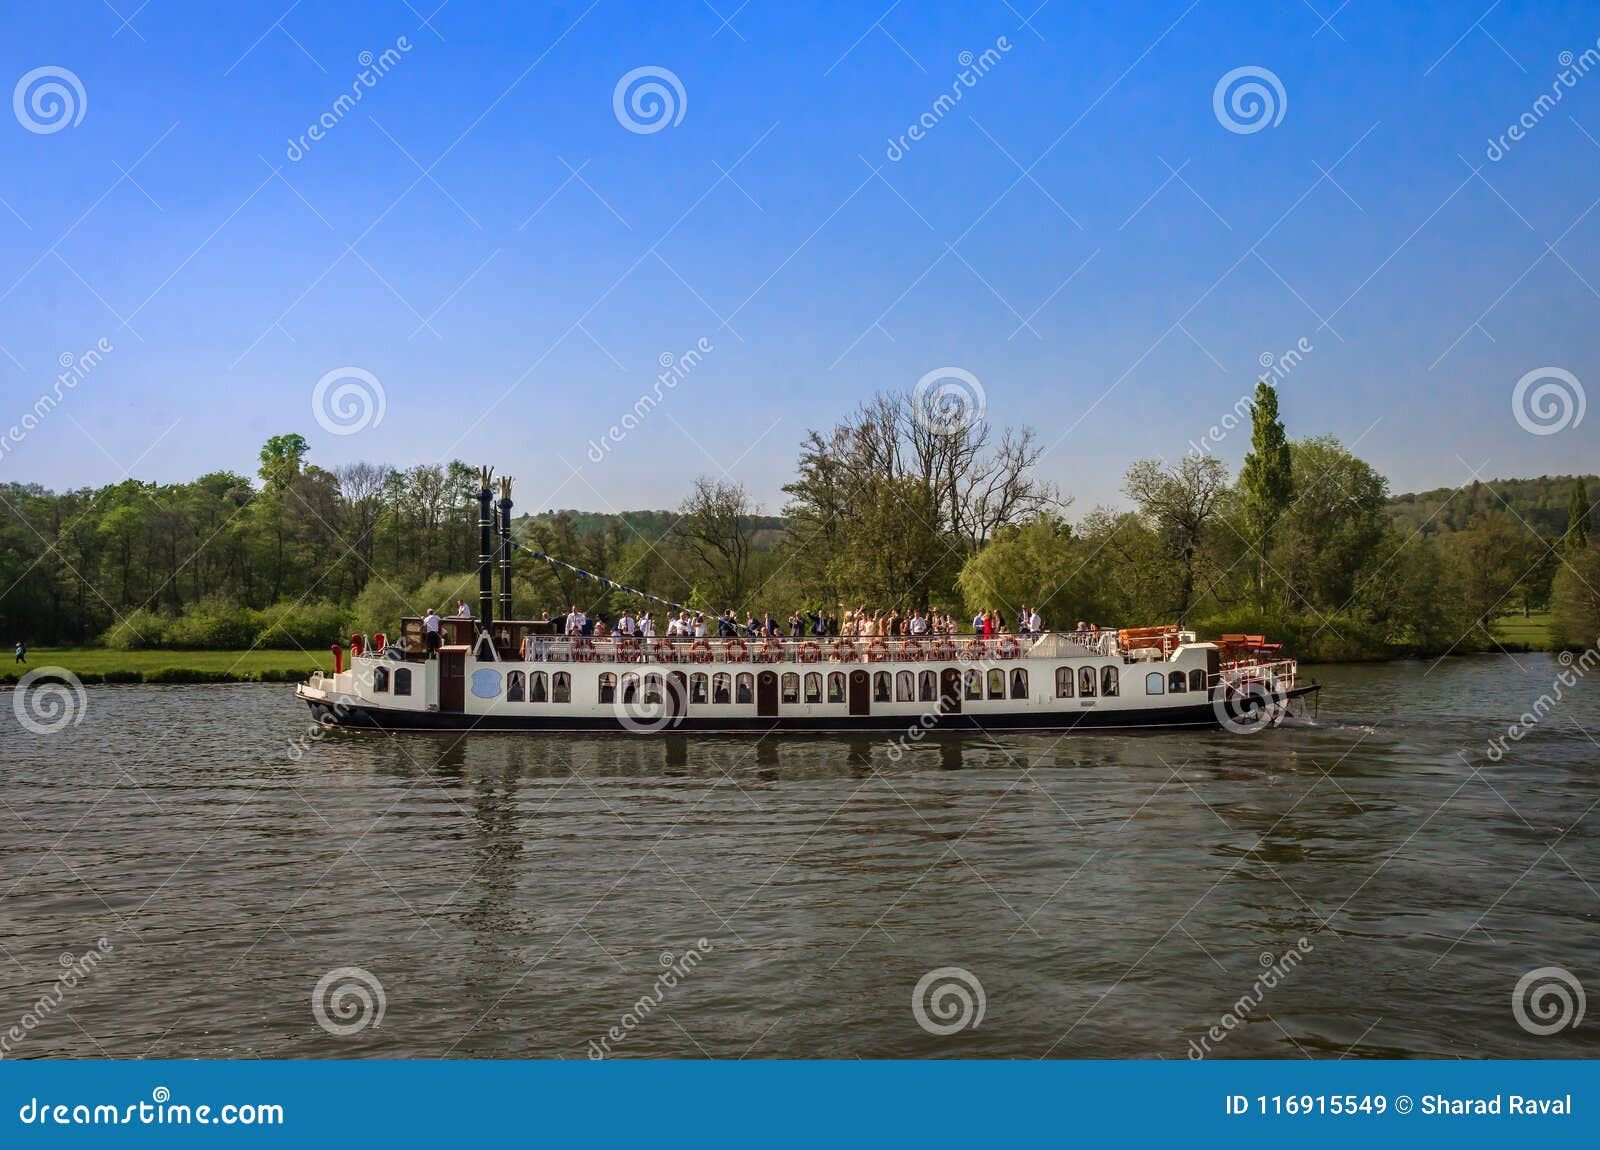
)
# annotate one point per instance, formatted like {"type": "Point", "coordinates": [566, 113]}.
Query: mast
{"type": "Point", "coordinates": [485, 548]}
{"type": "Point", "coordinates": [505, 547]}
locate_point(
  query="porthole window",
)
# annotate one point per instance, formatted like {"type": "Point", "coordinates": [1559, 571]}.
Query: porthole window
{"type": "Point", "coordinates": [1108, 681]}
{"type": "Point", "coordinates": [516, 687]}
{"type": "Point", "coordinates": [722, 687]}
{"type": "Point", "coordinates": [380, 680]}
{"type": "Point", "coordinates": [1175, 683]}
{"type": "Point", "coordinates": [1063, 682]}
{"type": "Point", "coordinates": [880, 687]}
{"type": "Point", "coordinates": [1019, 684]}
{"type": "Point", "coordinates": [652, 688]}
{"type": "Point", "coordinates": [1197, 680]}
{"type": "Point", "coordinates": [744, 688]}
{"type": "Point", "coordinates": [904, 687]}
{"type": "Point", "coordinates": [402, 681]}
{"type": "Point", "coordinates": [630, 687]}
{"type": "Point", "coordinates": [561, 687]}
{"type": "Point", "coordinates": [835, 686]}
{"type": "Point", "coordinates": [813, 687]}
{"type": "Point", "coordinates": [927, 687]}
{"type": "Point", "coordinates": [697, 687]}
{"type": "Point", "coordinates": [1155, 683]}
{"type": "Point", "coordinates": [1086, 682]}
{"type": "Point", "coordinates": [997, 683]}
{"type": "Point", "coordinates": [789, 687]}
{"type": "Point", "coordinates": [538, 692]}
{"type": "Point", "coordinates": [974, 685]}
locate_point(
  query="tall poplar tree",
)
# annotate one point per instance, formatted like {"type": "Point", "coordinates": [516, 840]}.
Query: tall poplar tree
{"type": "Point", "coordinates": [1266, 482]}
{"type": "Point", "coordinates": [1577, 533]}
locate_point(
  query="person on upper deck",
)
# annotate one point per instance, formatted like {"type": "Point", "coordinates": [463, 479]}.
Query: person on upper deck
{"type": "Point", "coordinates": [462, 610]}
{"type": "Point", "coordinates": [430, 632]}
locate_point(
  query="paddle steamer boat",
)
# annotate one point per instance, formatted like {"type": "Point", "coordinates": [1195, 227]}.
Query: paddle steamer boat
{"type": "Point", "coordinates": [492, 675]}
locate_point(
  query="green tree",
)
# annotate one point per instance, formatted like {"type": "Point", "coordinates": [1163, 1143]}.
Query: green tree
{"type": "Point", "coordinates": [1576, 537]}
{"type": "Point", "coordinates": [1266, 481]}
{"type": "Point", "coordinates": [281, 458]}
{"type": "Point", "coordinates": [1181, 503]}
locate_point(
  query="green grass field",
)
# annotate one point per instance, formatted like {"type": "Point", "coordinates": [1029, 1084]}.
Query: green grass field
{"type": "Point", "coordinates": [1532, 633]}
{"type": "Point", "coordinates": [240, 666]}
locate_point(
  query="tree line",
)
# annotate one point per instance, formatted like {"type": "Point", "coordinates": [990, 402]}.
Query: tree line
{"type": "Point", "coordinates": [901, 504]}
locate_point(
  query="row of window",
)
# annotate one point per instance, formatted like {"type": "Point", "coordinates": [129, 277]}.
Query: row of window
{"type": "Point", "coordinates": [1174, 684]}
{"type": "Point", "coordinates": [402, 680]}
{"type": "Point", "coordinates": [722, 687]}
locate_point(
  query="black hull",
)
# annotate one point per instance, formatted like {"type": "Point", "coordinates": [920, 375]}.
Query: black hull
{"type": "Point", "coordinates": [1191, 716]}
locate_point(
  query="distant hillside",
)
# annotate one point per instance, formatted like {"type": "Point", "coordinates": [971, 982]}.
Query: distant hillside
{"type": "Point", "coordinates": [649, 524]}
{"type": "Point", "coordinates": [1541, 503]}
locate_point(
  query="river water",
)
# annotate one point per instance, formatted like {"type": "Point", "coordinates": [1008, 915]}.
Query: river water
{"type": "Point", "coordinates": [1371, 884]}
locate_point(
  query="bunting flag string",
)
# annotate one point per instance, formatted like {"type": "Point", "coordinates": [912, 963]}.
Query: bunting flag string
{"type": "Point", "coordinates": [608, 584]}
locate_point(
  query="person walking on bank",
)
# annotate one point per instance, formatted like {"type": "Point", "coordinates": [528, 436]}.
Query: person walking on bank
{"type": "Point", "coordinates": [22, 651]}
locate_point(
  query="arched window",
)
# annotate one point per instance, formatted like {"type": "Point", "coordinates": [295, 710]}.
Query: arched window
{"type": "Point", "coordinates": [1108, 681]}
{"type": "Point", "coordinates": [813, 687]}
{"type": "Point", "coordinates": [516, 687]}
{"type": "Point", "coordinates": [789, 687]}
{"type": "Point", "coordinates": [904, 687]}
{"type": "Point", "coordinates": [697, 687]}
{"type": "Point", "coordinates": [380, 680]}
{"type": "Point", "coordinates": [653, 687]}
{"type": "Point", "coordinates": [630, 687]}
{"type": "Point", "coordinates": [561, 687]}
{"type": "Point", "coordinates": [835, 686]}
{"type": "Point", "coordinates": [1019, 684]}
{"type": "Point", "coordinates": [722, 687]}
{"type": "Point", "coordinates": [402, 681]}
{"type": "Point", "coordinates": [927, 687]}
{"type": "Point", "coordinates": [538, 692]}
{"type": "Point", "coordinates": [744, 690]}
{"type": "Point", "coordinates": [1155, 683]}
{"type": "Point", "coordinates": [1175, 683]}
{"type": "Point", "coordinates": [1086, 682]}
{"type": "Point", "coordinates": [1197, 680]}
{"type": "Point", "coordinates": [974, 685]}
{"type": "Point", "coordinates": [880, 687]}
{"type": "Point", "coordinates": [1063, 682]}
{"type": "Point", "coordinates": [997, 683]}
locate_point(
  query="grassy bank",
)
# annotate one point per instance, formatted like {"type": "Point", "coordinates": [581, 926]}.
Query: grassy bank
{"type": "Point", "coordinates": [104, 665]}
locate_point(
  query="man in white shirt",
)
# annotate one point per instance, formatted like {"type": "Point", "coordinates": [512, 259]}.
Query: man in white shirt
{"type": "Point", "coordinates": [430, 632]}
{"type": "Point", "coordinates": [1035, 624]}
{"type": "Point", "coordinates": [699, 626]}
{"type": "Point", "coordinates": [462, 610]}
{"type": "Point", "coordinates": [625, 624]}
{"type": "Point", "coordinates": [574, 621]}
{"type": "Point", "coordinates": [919, 625]}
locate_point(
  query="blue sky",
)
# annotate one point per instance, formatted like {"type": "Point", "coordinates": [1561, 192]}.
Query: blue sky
{"type": "Point", "coordinates": [516, 299]}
